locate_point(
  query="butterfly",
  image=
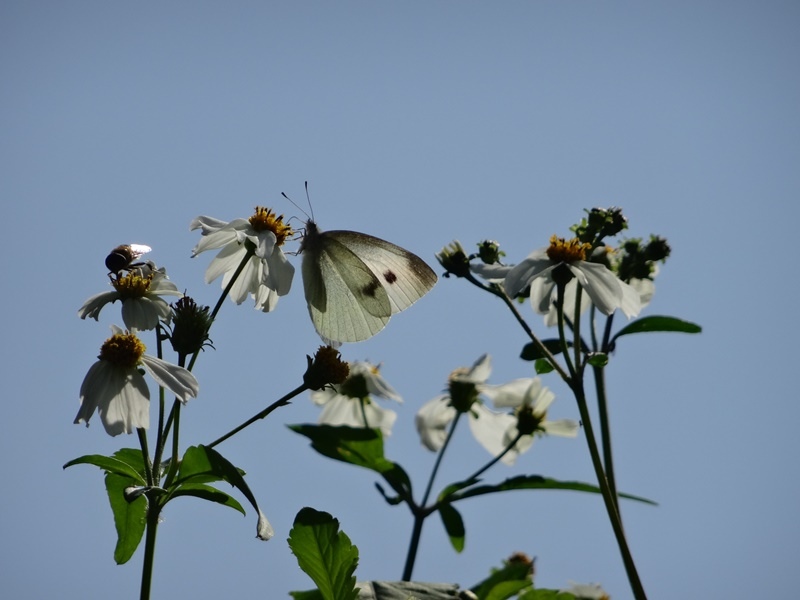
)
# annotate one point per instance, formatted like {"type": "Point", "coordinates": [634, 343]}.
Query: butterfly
{"type": "Point", "coordinates": [355, 282]}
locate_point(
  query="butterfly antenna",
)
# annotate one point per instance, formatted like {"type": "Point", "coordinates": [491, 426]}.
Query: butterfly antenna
{"type": "Point", "coordinates": [308, 199]}
{"type": "Point", "coordinates": [298, 207]}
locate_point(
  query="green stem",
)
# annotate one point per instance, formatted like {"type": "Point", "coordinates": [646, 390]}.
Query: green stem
{"type": "Point", "coordinates": [608, 497]}
{"type": "Point", "coordinates": [277, 404]}
{"type": "Point", "coordinates": [153, 510]}
{"type": "Point", "coordinates": [496, 459]}
{"type": "Point", "coordinates": [605, 430]}
{"type": "Point", "coordinates": [419, 511]}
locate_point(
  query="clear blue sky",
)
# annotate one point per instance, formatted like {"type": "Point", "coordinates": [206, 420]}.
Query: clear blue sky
{"type": "Point", "coordinates": [419, 122]}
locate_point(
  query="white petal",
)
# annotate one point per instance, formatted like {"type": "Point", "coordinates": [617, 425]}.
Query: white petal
{"type": "Point", "coordinates": [278, 274]}
{"type": "Point", "coordinates": [600, 283]}
{"type": "Point", "coordinates": [543, 292]}
{"type": "Point", "coordinates": [93, 306]}
{"type": "Point", "coordinates": [176, 379]}
{"type": "Point", "coordinates": [520, 276]}
{"type": "Point", "coordinates": [563, 427]}
{"type": "Point", "coordinates": [128, 410]}
{"type": "Point", "coordinates": [631, 303]}
{"type": "Point", "coordinates": [490, 428]}
{"type": "Point", "coordinates": [226, 260]}
{"type": "Point", "coordinates": [432, 421]}
{"type": "Point", "coordinates": [493, 273]}
{"type": "Point", "coordinates": [507, 395]}
{"type": "Point", "coordinates": [480, 371]}
{"type": "Point", "coordinates": [207, 224]}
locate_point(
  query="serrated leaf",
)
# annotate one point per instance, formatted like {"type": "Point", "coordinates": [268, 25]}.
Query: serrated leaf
{"type": "Point", "coordinates": [206, 492]}
{"type": "Point", "coordinates": [530, 351]}
{"type": "Point", "coordinates": [537, 482]}
{"type": "Point", "coordinates": [658, 323]}
{"type": "Point", "coordinates": [130, 518]}
{"type": "Point", "coordinates": [325, 554]}
{"type": "Point", "coordinates": [357, 446]}
{"type": "Point", "coordinates": [454, 526]}
{"type": "Point", "coordinates": [111, 464]}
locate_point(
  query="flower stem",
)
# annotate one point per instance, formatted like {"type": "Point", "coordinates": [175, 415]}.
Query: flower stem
{"type": "Point", "coordinates": [608, 497]}
{"type": "Point", "coordinates": [153, 510]}
{"type": "Point", "coordinates": [420, 512]}
{"type": "Point", "coordinates": [277, 404]}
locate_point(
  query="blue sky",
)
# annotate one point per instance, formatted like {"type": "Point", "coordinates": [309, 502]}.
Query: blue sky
{"type": "Point", "coordinates": [421, 123]}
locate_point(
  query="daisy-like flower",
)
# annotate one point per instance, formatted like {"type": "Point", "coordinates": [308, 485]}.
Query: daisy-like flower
{"type": "Point", "coordinates": [464, 386]}
{"type": "Point", "coordinates": [529, 400]}
{"type": "Point", "coordinates": [116, 388]}
{"type": "Point", "coordinates": [140, 292]}
{"type": "Point", "coordinates": [350, 403]}
{"type": "Point", "coordinates": [562, 261]}
{"type": "Point", "coordinates": [267, 274]}
{"type": "Point", "coordinates": [494, 431]}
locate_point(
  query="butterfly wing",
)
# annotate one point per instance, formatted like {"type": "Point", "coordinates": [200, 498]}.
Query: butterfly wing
{"type": "Point", "coordinates": [404, 275]}
{"type": "Point", "coordinates": [345, 299]}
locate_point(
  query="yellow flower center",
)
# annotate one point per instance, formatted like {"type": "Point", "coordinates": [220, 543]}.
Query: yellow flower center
{"type": "Point", "coordinates": [567, 251]}
{"type": "Point", "coordinates": [122, 350]}
{"type": "Point", "coordinates": [264, 219]}
{"type": "Point", "coordinates": [132, 285]}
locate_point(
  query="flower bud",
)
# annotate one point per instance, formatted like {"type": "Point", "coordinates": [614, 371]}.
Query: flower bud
{"type": "Point", "coordinates": [454, 259]}
{"type": "Point", "coordinates": [489, 252]}
{"type": "Point", "coordinates": [327, 367]}
{"type": "Point", "coordinates": [190, 325]}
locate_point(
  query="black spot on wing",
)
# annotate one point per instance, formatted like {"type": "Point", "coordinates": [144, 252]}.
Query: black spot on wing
{"type": "Point", "coordinates": [389, 276]}
{"type": "Point", "coordinates": [369, 290]}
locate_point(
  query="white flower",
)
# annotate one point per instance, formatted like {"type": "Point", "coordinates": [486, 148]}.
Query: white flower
{"type": "Point", "coordinates": [587, 591]}
{"type": "Point", "coordinates": [140, 292]}
{"type": "Point", "coordinates": [604, 289]}
{"type": "Point", "coordinates": [117, 390]}
{"type": "Point", "coordinates": [267, 274]}
{"type": "Point", "coordinates": [350, 402]}
{"type": "Point", "coordinates": [434, 418]}
{"type": "Point", "coordinates": [530, 400]}
{"type": "Point", "coordinates": [494, 431]}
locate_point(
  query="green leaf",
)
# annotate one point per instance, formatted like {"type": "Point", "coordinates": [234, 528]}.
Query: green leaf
{"type": "Point", "coordinates": [453, 525]}
{"type": "Point", "coordinates": [658, 323]}
{"type": "Point", "coordinates": [112, 464]}
{"type": "Point", "coordinates": [543, 366]}
{"type": "Point", "coordinates": [129, 517]}
{"type": "Point", "coordinates": [325, 554]}
{"type": "Point", "coordinates": [537, 482]}
{"type": "Point", "coordinates": [357, 446]}
{"type": "Point", "coordinates": [598, 359]}
{"type": "Point", "coordinates": [531, 350]}
{"type": "Point", "coordinates": [512, 570]}
{"type": "Point", "coordinates": [507, 589]}
{"type": "Point", "coordinates": [206, 492]}
{"type": "Point", "coordinates": [201, 464]}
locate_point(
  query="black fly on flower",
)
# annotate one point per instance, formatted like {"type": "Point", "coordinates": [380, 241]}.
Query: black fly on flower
{"type": "Point", "coordinates": [123, 256]}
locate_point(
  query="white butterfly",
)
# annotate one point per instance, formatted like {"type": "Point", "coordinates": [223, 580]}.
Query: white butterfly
{"type": "Point", "coordinates": [355, 282]}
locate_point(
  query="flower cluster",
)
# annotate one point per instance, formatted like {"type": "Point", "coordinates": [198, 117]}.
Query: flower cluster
{"type": "Point", "coordinates": [506, 434]}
